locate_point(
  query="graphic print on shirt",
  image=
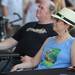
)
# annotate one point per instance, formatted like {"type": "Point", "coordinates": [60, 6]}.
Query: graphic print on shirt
{"type": "Point", "coordinates": [50, 57]}
{"type": "Point", "coordinates": [40, 31]}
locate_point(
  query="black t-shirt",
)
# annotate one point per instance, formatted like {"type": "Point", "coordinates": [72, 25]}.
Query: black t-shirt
{"type": "Point", "coordinates": [31, 37]}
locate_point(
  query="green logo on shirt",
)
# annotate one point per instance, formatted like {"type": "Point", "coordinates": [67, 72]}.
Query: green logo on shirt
{"type": "Point", "coordinates": [50, 57]}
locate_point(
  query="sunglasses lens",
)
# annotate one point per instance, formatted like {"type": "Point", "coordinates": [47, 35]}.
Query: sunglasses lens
{"type": "Point", "coordinates": [57, 19]}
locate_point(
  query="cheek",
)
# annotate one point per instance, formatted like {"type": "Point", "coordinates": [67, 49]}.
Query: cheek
{"type": "Point", "coordinates": [57, 28]}
{"type": "Point", "coordinates": [62, 27]}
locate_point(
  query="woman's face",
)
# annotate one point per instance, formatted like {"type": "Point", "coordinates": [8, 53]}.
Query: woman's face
{"type": "Point", "coordinates": [59, 26]}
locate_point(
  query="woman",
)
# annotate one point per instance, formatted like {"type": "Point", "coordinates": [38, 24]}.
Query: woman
{"type": "Point", "coordinates": [57, 51]}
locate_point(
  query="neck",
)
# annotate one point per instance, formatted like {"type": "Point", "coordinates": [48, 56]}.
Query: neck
{"type": "Point", "coordinates": [63, 37]}
{"type": "Point", "coordinates": [46, 21]}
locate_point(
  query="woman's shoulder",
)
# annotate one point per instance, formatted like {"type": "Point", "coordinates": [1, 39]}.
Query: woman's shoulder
{"type": "Point", "coordinates": [72, 38]}
{"type": "Point", "coordinates": [51, 38]}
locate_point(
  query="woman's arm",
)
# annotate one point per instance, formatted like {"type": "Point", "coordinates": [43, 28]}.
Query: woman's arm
{"type": "Point", "coordinates": [73, 54]}
{"type": "Point", "coordinates": [33, 62]}
{"type": "Point", "coordinates": [63, 3]}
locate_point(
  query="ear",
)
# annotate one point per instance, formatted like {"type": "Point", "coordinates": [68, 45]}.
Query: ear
{"type": "Point", "coordinates": [67, 26]}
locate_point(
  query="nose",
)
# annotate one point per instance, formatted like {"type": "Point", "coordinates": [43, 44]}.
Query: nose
{"type": "Point", "coordinates": [54, 21]}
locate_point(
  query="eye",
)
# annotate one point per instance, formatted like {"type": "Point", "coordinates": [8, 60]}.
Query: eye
{"type": "Point", "coordinates": [41, 7]}
{"type": "Point", "coordinates": [56, 19]}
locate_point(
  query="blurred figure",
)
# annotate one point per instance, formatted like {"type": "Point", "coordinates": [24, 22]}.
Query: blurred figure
{"type": "Point", "coordinates": [70, 4]}
{"type": "Point", "coordinates": [59, 4]}
{"type": "Point", "coordinates": [9, 8]}
{"type": "Point", "coordinates": [30, 12]}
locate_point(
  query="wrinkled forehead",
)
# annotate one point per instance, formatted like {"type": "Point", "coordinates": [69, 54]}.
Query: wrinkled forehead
{"type": "Point", "coordinates": [43, 5]}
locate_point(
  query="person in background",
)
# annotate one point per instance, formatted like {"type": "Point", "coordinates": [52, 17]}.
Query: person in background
{"type": "Point", "coordinates": [30, 12]}
{"type": "Point", "coordinates": [57, 51]}
{"type": "Point", "coordinates": [59, 4]}
{"type": "Point", "coordinates": [33, 6]}
{"type": "Point", "coordinates": [12, 11]}
{"type": "Point", "coordinates": [0, 8]}
{"type": "Point", "coordinates": [31, 36]}
{"type": "Point", "coordinates": [70, 4]}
